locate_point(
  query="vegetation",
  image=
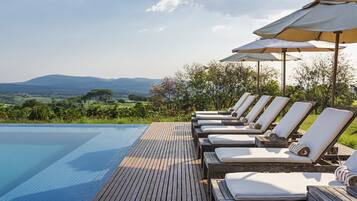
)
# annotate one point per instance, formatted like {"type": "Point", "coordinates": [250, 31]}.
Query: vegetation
{"type": "Point", "coordinates": [214, 86]}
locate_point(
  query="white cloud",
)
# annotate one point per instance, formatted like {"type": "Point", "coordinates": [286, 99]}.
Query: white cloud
{"type": "Point", "coordinates": [255, 8]}
{"type": "Point", "coordinates": [160, 29]}
{"type": "Point", "coordinates": [165, 6]}
{"type": "Point", "coordinates": [221, 28]}
{"type": "Point", "coordinates": [154, 29]}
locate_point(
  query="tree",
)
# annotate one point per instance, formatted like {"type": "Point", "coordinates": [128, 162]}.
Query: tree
{"type": "Point", "coordinates": [315, 80]}
{"type": "Point", "coordinates": [103, 95]}
{"type": "Point", "coordinates": [40, 112]}
{"type": "Point", "coordinates": [135, 97]}
{"type": "Point", "coordinates": [31, 103]}
{"type": "Point", "coordinates": [212, 86]}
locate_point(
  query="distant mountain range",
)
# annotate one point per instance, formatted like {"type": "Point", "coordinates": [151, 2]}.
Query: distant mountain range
{"type": "Point", "coordinates": [63, 85]}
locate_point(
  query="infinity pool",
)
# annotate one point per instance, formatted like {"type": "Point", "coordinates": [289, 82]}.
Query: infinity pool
{"type": "Point", "coordinates": [60, 162]}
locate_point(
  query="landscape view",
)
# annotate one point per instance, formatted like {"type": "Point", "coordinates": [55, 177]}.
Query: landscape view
{"type": "Point", "coordinates": [178, 100]}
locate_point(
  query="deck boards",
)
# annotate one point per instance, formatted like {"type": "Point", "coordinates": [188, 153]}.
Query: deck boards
{"type": "Point", "coordinates": [161, 166]}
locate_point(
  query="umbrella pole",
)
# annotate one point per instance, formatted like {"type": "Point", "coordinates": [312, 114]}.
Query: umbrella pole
{"type": "Point", "coordinates": [334, 73]}
{"type": "Point", "coordinates": [284, 71]}
{"type": "Point", "coordinates": [258, 77]}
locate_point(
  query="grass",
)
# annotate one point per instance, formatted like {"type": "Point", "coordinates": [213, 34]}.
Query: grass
{"type": "Point", "coordinates": [348, 138]}
{"type": "Point", "coordinates": [97, 121]}
{"type": "Point", "coordinates": [354, 103]}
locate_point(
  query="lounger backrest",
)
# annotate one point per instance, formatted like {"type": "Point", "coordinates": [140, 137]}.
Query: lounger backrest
{"type": "Point", "coordinates": [325, 130]}
{"type": "Point", "coordinates": [240, 101]}
{"type": "Point", "coordinates": [273, 110]}
{"type": "Point", "coordinates": [257, 108]}
{"type": "Point", "coordinates": [247, 103]}
{"type": "Point", "coordinates": [292, 119]}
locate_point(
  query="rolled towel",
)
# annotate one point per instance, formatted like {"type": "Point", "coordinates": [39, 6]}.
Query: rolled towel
{"type": "Point", "coordinates": [243, 120]}
{"type": "Point", "coordinates": [346, 176]}
{"type": "Point", "coordinates": [299, 149]}
{"type": "Point", "coordinates": [255, 126]}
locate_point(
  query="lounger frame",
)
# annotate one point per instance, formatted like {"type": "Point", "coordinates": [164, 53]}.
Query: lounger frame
{"type": "Point", "coordinates": [204, 145]}
{"type": "Point", "coordinates": [197, 132]}
{"type": "Point", "coordinates": [214, 168]}
{"type": "Point", "coordinates": [234, 121]}
{"type": "Point", "coordinates": [219, 191]}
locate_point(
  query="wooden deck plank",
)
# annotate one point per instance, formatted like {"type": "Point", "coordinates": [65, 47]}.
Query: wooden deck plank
{"type": "Point", "coordinates": [161, 166]}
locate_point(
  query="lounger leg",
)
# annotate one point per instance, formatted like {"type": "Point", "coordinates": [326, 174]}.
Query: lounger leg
{"type": "Point", "coordinates": [199, 151]}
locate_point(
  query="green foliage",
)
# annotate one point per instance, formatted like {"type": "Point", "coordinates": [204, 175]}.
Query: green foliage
{"type": "Point", "coordinates": [103, 95]}
{"type": "Point", "coordinates": [134, 97]}
{"type": "Point", "coordinates": [314, 80]}
{"type": "Point", "coordinates": [214, 86]}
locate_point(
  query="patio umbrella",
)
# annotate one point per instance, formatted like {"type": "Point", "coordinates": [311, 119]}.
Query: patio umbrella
{"type": "Point", "coordinates": [332, 21]}
{"type": "Point", "coordinates": [257, 57]}
{"type": "Point", "coordinates": [282, 46]}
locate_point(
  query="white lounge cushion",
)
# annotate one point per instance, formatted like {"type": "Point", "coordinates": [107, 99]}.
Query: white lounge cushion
{"type": "Point", "coordinates": [257, 108]}
{"type": "Point", "coordinates": [231, 129]}
{"type": "Point", "coordinates": [215, 117]}
{"type": "Point", "coordinates": [351, 163]}
{"type": "Point", "coordinates": [206, 112]}
{"type": "Point", "coordinates": [292, 118]}
{"type": "Point", "coordinates": [324, 130]}
{"type": "Point", "coordinates": [276, 186]}
{"type": "Point", "coordinates": [244, 154]}
{"type": "Point", "coordinates": [209, 122]}
{"type": "Point", "coordinates": [240, 101]}
{"type": "Point", "coordinates": [232, 139]}
{"type": "Point", "coordinates": [273, 110]}
{"type": "Point", "coordinates": [244, 107]}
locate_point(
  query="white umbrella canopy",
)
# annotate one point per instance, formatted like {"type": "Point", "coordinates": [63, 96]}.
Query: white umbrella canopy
{"type": "Point", "coordinates": [257, 57]}
{"type": "Point", "coordinates": [277, 46]}
{"type": "Point", "coordinates": [283, 46]}
{"type": "Point", "coordinates": [329, 20]}
{"type": "Point", "coordinates": [318, 20]}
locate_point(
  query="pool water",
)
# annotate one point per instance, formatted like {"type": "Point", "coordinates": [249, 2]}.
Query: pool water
{"type": "Point", "coordinates": [60, 162]}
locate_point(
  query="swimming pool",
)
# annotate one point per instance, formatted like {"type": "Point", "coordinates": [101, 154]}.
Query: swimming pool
{"type": "Point", "coordinates": [60, 162]}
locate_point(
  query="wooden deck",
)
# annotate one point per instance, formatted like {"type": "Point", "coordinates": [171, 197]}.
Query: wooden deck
{"type": "Point", "coordinates": [161, 166]}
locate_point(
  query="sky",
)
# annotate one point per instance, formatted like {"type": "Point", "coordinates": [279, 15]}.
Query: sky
{"type": "Point", "coordinates": [128, 38]}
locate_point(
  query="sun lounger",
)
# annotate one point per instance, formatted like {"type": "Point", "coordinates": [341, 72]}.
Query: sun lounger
{"type": "Point", "coordinates": [250, 117]}
{"type": "Point", "coordinates": [234, 108]}
{"type": "Point", "coordinates": [268, 186]}
{"type": "Point", "coordinates": [273, 186]}
{"type": "Point", "coordinates": [289, 124]}
{"type": "Point", "coordinates": [265, 120]}
{"type": "Point", "coordinates": [238, 113]}
{"type": "Point", "coordinates": [322, 135]}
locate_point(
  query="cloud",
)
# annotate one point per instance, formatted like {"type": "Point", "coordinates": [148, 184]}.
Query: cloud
{"type": "Point", "coordinates": [254, 8]}
{"type": "Point", "coordinates": [165, 6]}
{"type": "Point", "coordinates": [154, 29]}
{"type": "Point", "coordinates": [221, 28]}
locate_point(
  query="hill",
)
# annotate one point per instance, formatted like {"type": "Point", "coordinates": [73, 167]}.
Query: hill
{"type": "Point", "coordinates": [63, 85]}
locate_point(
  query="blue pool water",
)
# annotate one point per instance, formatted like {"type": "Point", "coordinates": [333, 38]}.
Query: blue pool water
{"type": "Point", "coordinates": [60, 162]}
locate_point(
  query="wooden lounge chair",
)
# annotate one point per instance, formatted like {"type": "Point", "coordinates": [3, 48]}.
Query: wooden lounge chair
{"type": "Point", "coordinates": [288, 125]}
{"type": "Point", "coordinates": [273, 186]}
{"type": "Point", "coordinates": [234, 108]}
{"type": "Point", "coordinates": [237, 114]}
{"type": "Point", "coordinates": [256, 110]}
{"type": "Point", "coordinates": [322, 135]}
{"type": "Point", "coordinates": [265, 120]}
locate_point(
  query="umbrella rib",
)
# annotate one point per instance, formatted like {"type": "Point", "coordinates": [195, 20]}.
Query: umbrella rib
{"type": "Point", "coordinates": [319, 36]}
